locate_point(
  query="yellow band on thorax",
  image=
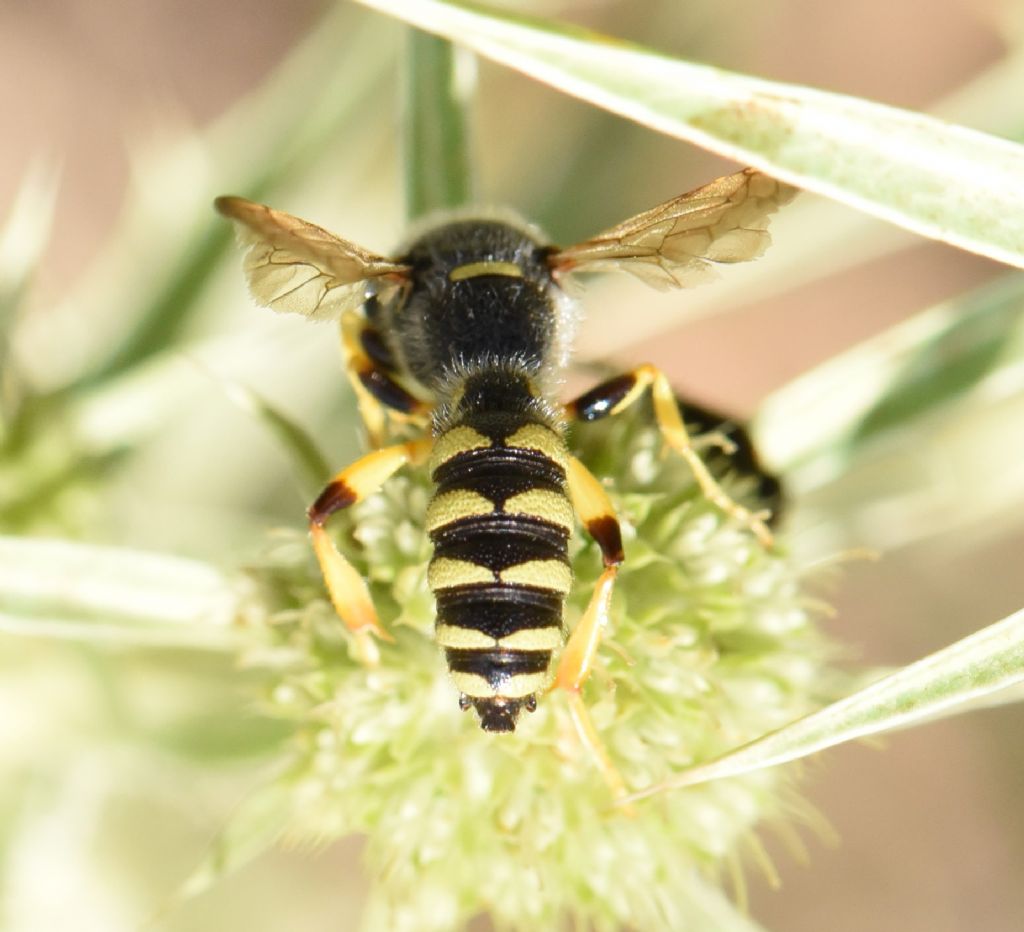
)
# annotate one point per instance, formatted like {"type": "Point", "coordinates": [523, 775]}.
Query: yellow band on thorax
{"type": "Point", "coordinates": [487, 267]}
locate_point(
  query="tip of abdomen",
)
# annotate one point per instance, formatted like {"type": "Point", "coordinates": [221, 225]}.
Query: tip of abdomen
{"type": "Point", "coordinates": [498, 683]}
{"type": "Point", "coordinates": [499, 714]}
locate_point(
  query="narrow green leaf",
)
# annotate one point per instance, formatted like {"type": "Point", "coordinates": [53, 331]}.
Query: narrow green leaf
{"type": "Point", "coordinates": [940, 180]}
{"type": "Point", "coordinates": [438, 173]}
{"type": "Point", "coordinates": [892, 441]}
{"type": "Point", "coordinates": [255, 827]}
{"type": "Point", "coordinates": [311, 467]}
{"type": "Point", "coordinates": [22, 240]}
{"type": "Point", "coordinates": [822, 420]}
{"type": "Point", "coordinates": [812, 239]}
{"type": "Point", "coordinates": [23, 237]}
{"type": "Point", "coordinates": [73, 591]}
{"type": "Point", "coordinates": [940, 684]}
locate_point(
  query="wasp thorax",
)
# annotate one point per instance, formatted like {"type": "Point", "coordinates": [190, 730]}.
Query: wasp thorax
{"type": "Point", "coordinates": [477, 291]}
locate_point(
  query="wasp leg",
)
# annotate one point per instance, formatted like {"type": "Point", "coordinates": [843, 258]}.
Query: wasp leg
{"type": "Point", "coordinates": [619, 393]}
{"type": "Point", "coordinates": [348, 591]}
{"type": "Point", "coordinates": [369, 369]}
{"type": "Point", "coordinates": [737, 445]}
{"type": "Point", "coordinates": [598, 516]}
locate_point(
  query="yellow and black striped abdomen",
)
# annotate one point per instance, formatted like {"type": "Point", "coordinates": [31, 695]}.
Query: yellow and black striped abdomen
{"type": "Point", "coordinates": [500, 522]}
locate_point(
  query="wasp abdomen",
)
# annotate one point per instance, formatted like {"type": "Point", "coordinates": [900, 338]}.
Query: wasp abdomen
{"type": "Point", "coordinates": [500, 521]}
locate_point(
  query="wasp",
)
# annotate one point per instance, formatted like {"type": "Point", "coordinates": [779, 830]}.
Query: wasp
{"type": "Point", "coordinates": [466, 333]}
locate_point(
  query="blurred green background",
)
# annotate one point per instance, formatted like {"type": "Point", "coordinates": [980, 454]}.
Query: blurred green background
{"type": "Point", "coordinates": [120, 761]}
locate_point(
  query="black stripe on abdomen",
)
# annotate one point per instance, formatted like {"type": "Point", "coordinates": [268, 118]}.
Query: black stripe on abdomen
{"type": "Point", "coordinates": [500, 522]}
{"type": "Point", "coordinates": [500, 611]}
{"type": "Point", "coordinates": [499, 542]}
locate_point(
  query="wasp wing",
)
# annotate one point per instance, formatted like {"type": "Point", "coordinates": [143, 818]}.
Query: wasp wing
{"type": "Point", "coordinates": [299, 268]}
{"type": "Point", "coordinates": [676, 243]}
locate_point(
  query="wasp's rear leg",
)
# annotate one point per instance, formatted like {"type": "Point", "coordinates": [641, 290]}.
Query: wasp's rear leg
{"type": "Point", "coordinates": [371, 369]}
{"type": "Point", "coordinates": [619, 393]}
{"type": "Point", "coordinates": [348, 591]}
{"type": "Point", "coordinates": [738, 452]}
{"type": "Point", "coordinates": [596, 512]}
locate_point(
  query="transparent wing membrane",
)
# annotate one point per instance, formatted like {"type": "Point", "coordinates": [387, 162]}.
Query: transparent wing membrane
{"type": "Point", "coordinates": [677, 244]}
{"type": "Point", "coordinates": [296, 267]}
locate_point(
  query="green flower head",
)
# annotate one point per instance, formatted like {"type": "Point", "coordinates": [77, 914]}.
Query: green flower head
{"type": "Point", "coordinates": [712, 644]}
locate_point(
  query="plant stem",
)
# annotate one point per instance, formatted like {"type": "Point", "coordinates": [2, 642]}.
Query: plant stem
{"type": "Point", "coordinates": [437, 158]}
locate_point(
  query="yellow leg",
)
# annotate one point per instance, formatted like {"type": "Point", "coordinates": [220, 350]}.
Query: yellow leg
{"type": "Point", "coordinates": [573, 669]}
{"type": "Point", "coordinates": [715, 440]}
{"type": "Point", "coordinates": [595, 510]}
{"type": "Point", "coordinates": [619, 393]}
{"type": "Point", "coordinates": [598, 515]}
{"type": "Point", "coordinates": [347, 589]}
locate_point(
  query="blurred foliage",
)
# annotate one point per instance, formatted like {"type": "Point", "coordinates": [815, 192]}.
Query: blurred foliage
{"type": "Point", "coordinates": [115, 426]}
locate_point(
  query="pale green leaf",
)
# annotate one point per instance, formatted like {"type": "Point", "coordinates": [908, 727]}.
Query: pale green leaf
{"type": "Point", "coordinates": [941, 684]}
{"type": "Point", "coordinates": [812, 239]}
{"type": "Point", "coordinates": [24, 236]}
{"type": "Point", "coordinates": [943, 181]}
{"type": "Point", "coordinates": [73, 591]}
{"type": "Point", "coordinates": [23, 239]}
{"type": "Point", "coordinates": [895, 379]}
{"type": "Point", "coordinates": [893, 439]}
{"type": "Point", "coordinates": [258, 824]}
